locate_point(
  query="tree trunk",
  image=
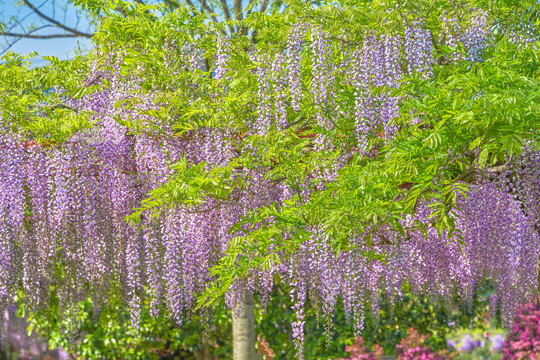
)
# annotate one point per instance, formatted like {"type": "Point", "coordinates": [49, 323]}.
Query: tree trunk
{"type": "Point", "coordinates": [207, 355]}
{"type": "Point", "coordinates": [243, 326]}
{"type": "Point", "coordinates": [204, 353]}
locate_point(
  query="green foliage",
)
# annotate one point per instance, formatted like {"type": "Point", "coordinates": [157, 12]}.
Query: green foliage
{"type": "Point", "coordinates": [111, 336]}
{"type": "Point", "coordinates": [473, 117]}
{"type": "Point", "coordinates": [480, 354]}
{"type": "Point", "coordinates": [29, 103]}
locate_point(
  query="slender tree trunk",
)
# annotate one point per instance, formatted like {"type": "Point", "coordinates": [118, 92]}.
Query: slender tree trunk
{"type": "Point", "coordinates": [204, 353]}
{"type": "Point", "coordinates": [243, 324]}
{"type": "Point", "coordinates": [207, 355]}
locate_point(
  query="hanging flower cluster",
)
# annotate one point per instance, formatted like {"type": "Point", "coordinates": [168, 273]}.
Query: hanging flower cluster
{"type": "Point", "coordinates": [473, 38]}
{"type": "Point", "coordinates": [66, 204]}
{"type": "Point", "coordinates": [294, 48]}
{"type": "Point", "coordinates": [323, 77]}
{"type": "Point", "coordinates": [377, 63]}
{"type": "Point", "coordinates": [419, 49]}
{"type": "Point", "coordinates": [222, 57]}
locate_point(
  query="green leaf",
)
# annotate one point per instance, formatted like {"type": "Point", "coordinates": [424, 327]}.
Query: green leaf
{"type": "Point", "coordinates": [482, 158]}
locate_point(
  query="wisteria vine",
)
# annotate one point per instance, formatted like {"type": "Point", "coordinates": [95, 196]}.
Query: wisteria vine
{"type": "Point", "coordinates": [66, 204]}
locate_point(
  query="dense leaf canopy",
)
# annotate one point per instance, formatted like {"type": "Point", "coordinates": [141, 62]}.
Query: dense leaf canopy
{"type": "Point", "coordinates": [346, 147]}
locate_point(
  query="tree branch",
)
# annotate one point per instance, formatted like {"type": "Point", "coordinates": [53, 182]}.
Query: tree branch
{"type": "Point", "coordinates": [238, 13]}
{"type": "Point", "coordinates": [250, 2]}
{"type": "Point", "coordinates": [30, 36]}
{"type": "Point", "coordinates": [173, 4]}
{"type": "Point", "coordinates": [263, 9]}
{"type": "Point", "coordinates": [431, 7]}
{"type": "Point", "coordinates": [190, 4]}
{"type": "Point", "coordinates": [264, 6]}
{"type": "Point", "coordinates": [498, 169]}
{"type": "Point", "coordinates": [209, 10]}
{"type": "Point", "coordinates": [225, 9]}
{"type": "Point", "coordinates": [57, 23]}
{"type": "Point", "coordinates": [227, 14]}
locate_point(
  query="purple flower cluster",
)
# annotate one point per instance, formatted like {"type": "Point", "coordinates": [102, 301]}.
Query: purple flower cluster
{"type": "Point", "coordinates": [323, 77]}
{"type": "Point", "coordinates": [419, 49]}
{"type": "Point", "coordinates": [280, 80]}
{"type": "Point", "coordinates": [468, 344]}
{"type": "Point", "coordinates": [222, 57]}
{"type": "Point", "coordinates": [497, 341]}
{"type": "Point", "coordinates": [377, 63]}
{"type": "Point", "coordinates": [522, 34]}
{"type": "Point", "coordinates": [474, 38]}
{"type": "Point", "coordinates": [490, 219]}
{"type": "Point", "coordinates": [294, 48]}
{"type": "Point", "coordinates": [264, 106]}
{"type": "Point", "coordinates": [65, 204]}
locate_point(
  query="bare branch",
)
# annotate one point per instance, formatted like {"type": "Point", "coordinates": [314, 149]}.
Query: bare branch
{"type": "Point", "coordinates": [57, 23]}
{"type": "Point", "coordinates": [429, 10]}
{"type": "Point", "coordinates": [9, 46]}
{"type": "Point", "coordinates": [52, 36]}
{"type": "Point", "coordinates": [209, 10]}
{"type": "Point", "coordinates": [264, 5]}
{"type": "Point", "coordinates": [238, 13]}
{"type": "Point", "coordinates": [498, 169]}
{"type": "Point", "coordinates": [226, 9]}
{"type": "Point", "coordinates": [190, 4]}
{"type": "Point", "coordinates": [227, 13]}
{"type": "Point", "coordinates": [18, 38]}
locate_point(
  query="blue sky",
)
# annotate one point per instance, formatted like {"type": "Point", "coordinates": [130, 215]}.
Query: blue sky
{"type": "Point", "coordinates": [57, 9]}
{"type": "Point", "coordinates": [60, 10]}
